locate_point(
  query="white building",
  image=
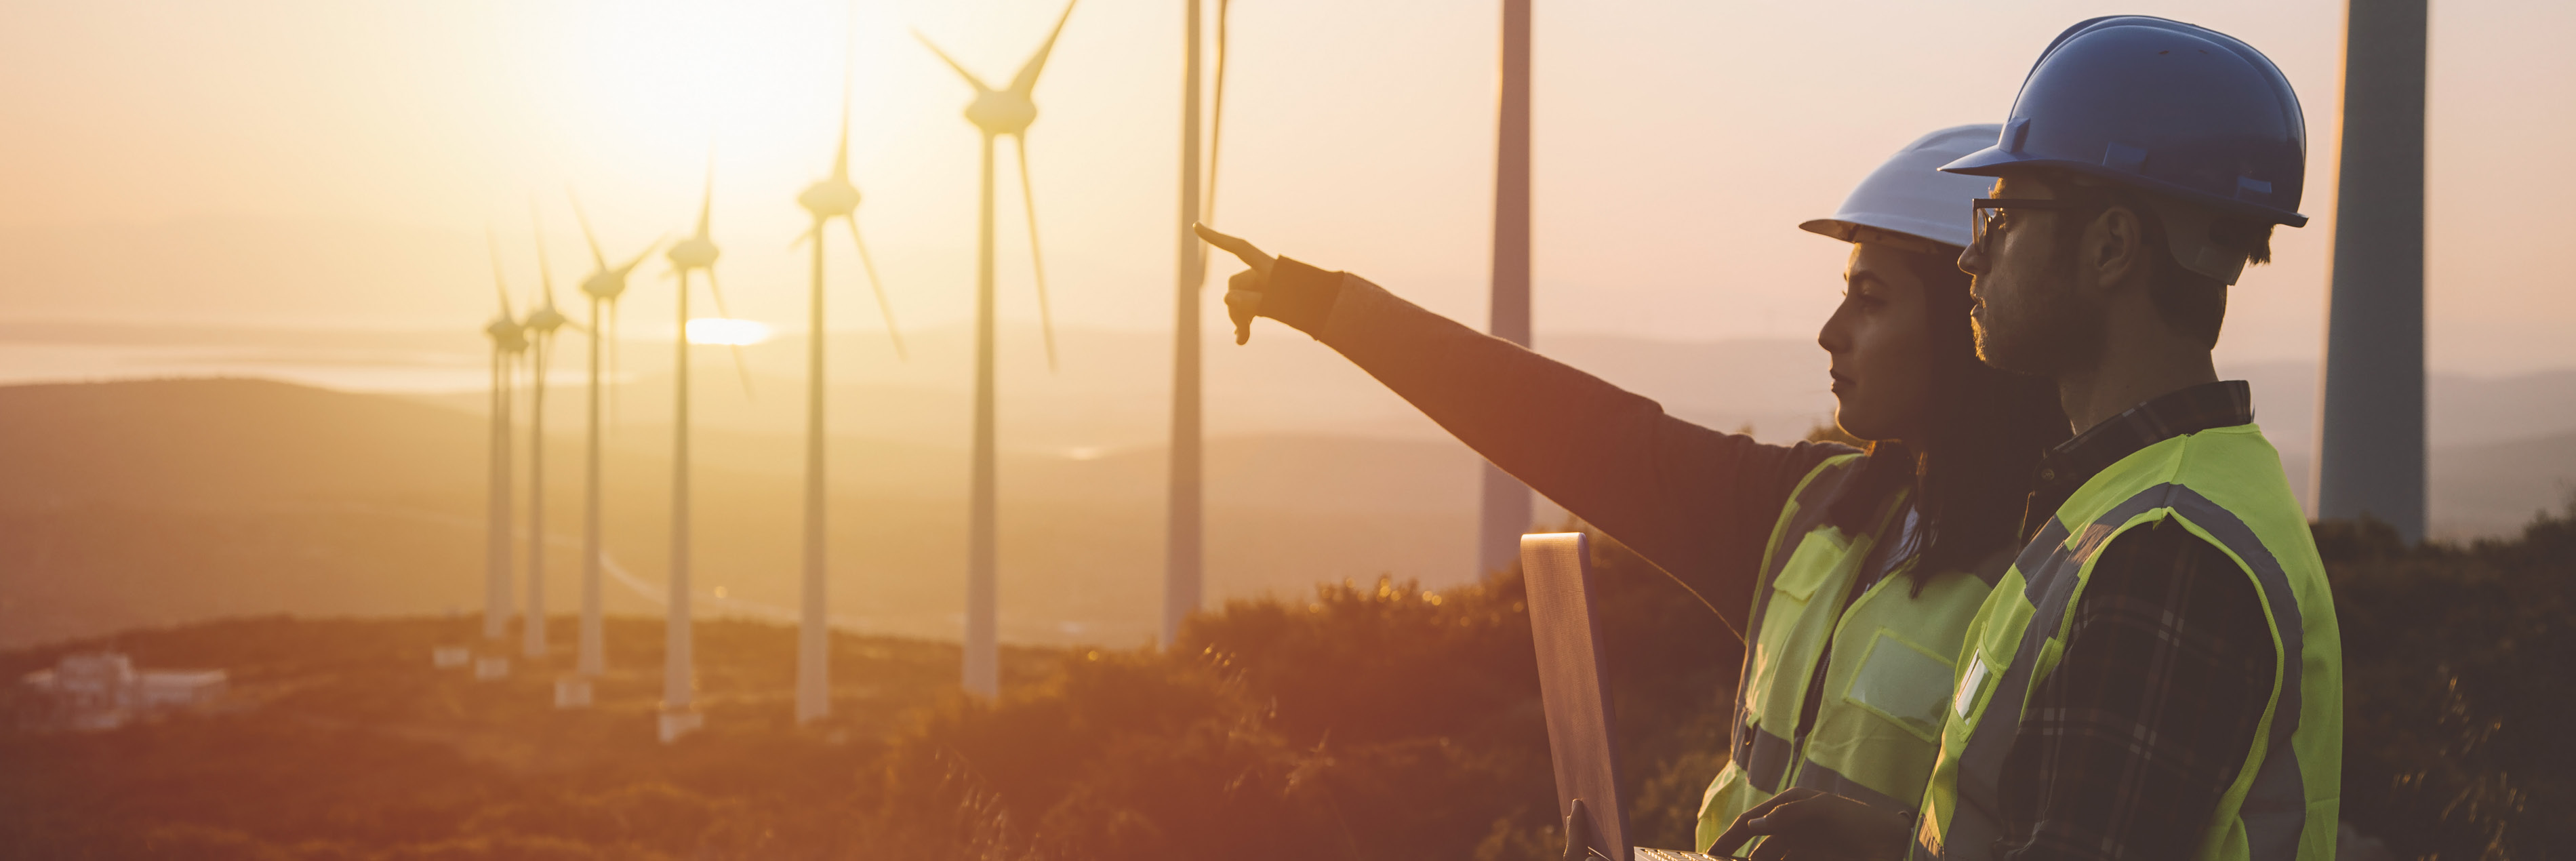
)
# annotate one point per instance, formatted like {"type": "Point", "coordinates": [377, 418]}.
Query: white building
{"type": "Point", "coordinates": [103, 690]}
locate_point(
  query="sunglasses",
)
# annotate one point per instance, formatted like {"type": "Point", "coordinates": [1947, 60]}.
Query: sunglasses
{"type": "Point", "coordinates": [1986, 214]}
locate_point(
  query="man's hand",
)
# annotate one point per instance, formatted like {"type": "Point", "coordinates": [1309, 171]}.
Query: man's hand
{"type": "Point", "coordinates": [1803, 824]}
{"type": "Point", "coordinates": [1243, 291]}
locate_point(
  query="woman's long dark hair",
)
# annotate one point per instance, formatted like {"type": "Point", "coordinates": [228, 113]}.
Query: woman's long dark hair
{"type": "Point", "coordinates": [1972, 468]}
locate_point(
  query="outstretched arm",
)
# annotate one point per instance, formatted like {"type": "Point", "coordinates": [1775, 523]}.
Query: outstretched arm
{"type": "Point", "coordinates": [1694, 501]}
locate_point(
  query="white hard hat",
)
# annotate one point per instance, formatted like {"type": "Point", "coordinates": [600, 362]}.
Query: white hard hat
{"type": "Point", "coordinates": [1910, 195]}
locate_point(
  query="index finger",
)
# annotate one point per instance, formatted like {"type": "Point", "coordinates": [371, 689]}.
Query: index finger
{"type": "Point", "coordinates": [1245, 251]}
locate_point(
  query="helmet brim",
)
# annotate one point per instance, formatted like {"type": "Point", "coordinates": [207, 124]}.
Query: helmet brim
{"type": "Point", "coordinates": [1996, 161]}
{"type": "Point", "coordinates": [1858, 230]}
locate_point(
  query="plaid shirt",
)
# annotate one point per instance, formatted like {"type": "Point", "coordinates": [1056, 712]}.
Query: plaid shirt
{"type": "Point", "coordinates": [2128, 744]}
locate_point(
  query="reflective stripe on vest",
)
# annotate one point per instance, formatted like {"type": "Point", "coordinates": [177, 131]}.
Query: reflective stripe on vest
{"type": "Point", "coordinates": [1876, 726]}
{"type": "Point", "coordinates": [2282, 804]}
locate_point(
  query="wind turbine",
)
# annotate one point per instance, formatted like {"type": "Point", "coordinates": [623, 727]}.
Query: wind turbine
{"type": "Point", "coordinates": [998, 113]}
{"type": "Point", "coordinates": [828, 198]}
{"type": "Point", "coordinates": [604, 285]}
{"type": "Point", "coordinates": [1505, 507]}
{"type": "Point", "coordinates": [679, 688]}
{"type": "Point", "coordinates": [1184, 560]}
{"type": "Point", "coordinates": [508, 339]}
{"type": "Point", "coordinates": [541, 326]}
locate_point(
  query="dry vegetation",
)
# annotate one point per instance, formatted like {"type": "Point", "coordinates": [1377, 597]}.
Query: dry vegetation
{"type": "Point", "coordinates": [1368, 721]}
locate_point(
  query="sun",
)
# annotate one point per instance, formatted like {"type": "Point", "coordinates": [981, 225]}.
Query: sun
{"type": "Point", "coordinates": [721, 330]}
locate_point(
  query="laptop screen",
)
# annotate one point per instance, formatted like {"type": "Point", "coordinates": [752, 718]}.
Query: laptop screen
{"type": "Point", "coordinates": [1556, 569]}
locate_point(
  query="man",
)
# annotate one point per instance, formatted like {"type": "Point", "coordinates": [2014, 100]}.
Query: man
{"type": "Point", "coordinates": [2159, 675]}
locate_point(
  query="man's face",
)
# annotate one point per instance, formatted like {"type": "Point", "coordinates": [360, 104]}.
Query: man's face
{"type": "Point", "coordinates": [2031, 315]}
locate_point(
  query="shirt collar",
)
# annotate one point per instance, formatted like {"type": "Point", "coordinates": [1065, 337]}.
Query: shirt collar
{"type": "Point", "coordinates": [2185, 411]}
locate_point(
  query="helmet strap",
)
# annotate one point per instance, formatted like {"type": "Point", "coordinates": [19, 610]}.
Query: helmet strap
{"type": "Point", "coordinates": [2187, 230]}
{"type": "Point", "coordinates": [2188, 234]}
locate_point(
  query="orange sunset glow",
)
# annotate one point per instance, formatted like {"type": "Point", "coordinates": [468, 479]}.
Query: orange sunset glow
{"type": "Point", "coordinates": [352, 432]}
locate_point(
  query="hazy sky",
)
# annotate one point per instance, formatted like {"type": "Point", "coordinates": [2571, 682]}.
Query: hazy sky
{"type": "Point", "coordinates": [1678, 144]}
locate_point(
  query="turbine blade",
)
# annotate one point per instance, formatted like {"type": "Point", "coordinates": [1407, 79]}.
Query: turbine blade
{"type": "Point", "coordinates": [707, 204]}
{"type": "Point", "coordinates": [841, 153]}
{"type": "Point", "coordinates": [1029, 201]}
{"type": "Point", "coordinates": [620, 385]}
{"type": "Point", "coordinates": [640, 255]}
{"type": "Point", "coordinates": [499, 285]}
{"type": "Point", "coordinates": [716, 288]}
{"type": "Point", "coordinates": [584, 217]}
{"type": "Point", "coordinates": [1216, 123]}
{"type": "Point", "coordinates": [545, 271]}
{"type": "Point", "coordinates": [1027, 80]}
{"type": "Point", "coordinates": [884, 308]}
{"type": "Point", "coordinates": [952, 63]}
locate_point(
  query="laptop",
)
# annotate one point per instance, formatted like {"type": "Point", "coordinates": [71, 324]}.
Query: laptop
{"type": "Point", "coordinates": [1573, 683]}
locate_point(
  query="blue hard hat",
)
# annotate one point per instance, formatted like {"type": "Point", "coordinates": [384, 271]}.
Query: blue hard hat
{"type": "Point", "coordinates": [2164, 107]}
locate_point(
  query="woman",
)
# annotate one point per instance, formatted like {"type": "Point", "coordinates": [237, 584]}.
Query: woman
{"type": "Point", "coordinates": [1852, 575]}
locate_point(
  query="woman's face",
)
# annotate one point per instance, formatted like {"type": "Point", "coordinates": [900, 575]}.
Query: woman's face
{"type": "Point", "coordinates": [1881, 346]}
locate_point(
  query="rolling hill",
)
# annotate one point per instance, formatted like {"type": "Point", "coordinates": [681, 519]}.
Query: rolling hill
{"type": "Point", "coordinates": [157, 502]}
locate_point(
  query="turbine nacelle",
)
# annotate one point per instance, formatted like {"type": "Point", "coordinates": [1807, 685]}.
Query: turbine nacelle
{"type": "Point", "coordinates": [606, 282]}
{"type": "Point", "coordinates": [830, 198]}
{"type": "Point", "coordinates": [696, 252]}
{"type": "Point", "coordinates": [609, 282]}
{"type": "Point", "coordinates": [506, 334]}
{"type": "Point", "coordinates": [1007, 110]}
{"type": "Point", "coordinates": [1001, 113]}
{"type": "Point", "coordinates": [605, 285]}
{"type": "Point", "coordinates": [545, 320]}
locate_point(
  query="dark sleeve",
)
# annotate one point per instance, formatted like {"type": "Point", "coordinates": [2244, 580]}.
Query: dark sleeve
{"type": "Point", "coordinates": [2128, 745]}
{"type": "Point", "coordinates": [1696, 502]}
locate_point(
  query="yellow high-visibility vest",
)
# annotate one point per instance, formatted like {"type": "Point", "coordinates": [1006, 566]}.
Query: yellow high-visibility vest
{"type": "Point", "coordinates": [1877, 724]}
{"type": "Point", "coordinates": [2224, 485]}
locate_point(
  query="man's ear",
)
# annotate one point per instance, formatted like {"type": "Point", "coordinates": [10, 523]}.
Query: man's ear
{"type": "Point", "coordinates": [2120, 247]}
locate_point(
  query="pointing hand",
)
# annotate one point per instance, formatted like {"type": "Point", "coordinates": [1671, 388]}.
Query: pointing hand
{"type": "Point", "coordinates": [1243, 291]}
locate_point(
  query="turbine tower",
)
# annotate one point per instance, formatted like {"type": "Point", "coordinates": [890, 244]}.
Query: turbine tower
{"type": "Point", "coordinates": [1506, 508]}
{"type": "Point", "coordinates": [541, 326]}
{"type": "Point", "coordinates": [603, 285]}
{"type": "Point", "coordinates": [1185, 554]}
{"type": "Point", "coordinates": [997, 113]}
{"type": "Point", "coordinates": [828, 198]}
{"type": "Point", "coordinates": [508, 339]}
{"type": "Point", "coordinates": [2370, 446]}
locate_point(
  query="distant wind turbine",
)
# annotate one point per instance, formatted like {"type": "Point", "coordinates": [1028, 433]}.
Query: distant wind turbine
{"type": "Point", "coordinates": [828, 198]}
{"type": "Point", "coordinates": [1184, 561]}
{"type": "Point", "coordinates": [508, 339]}
{"type": "Point", "coordinates": [604, 285]}
{"type": "Point", "coordinates": [1505, 508]}
{"type": "Point", "coordinates": [998, 113]}
{"type": "Point", "coordinates": [679, 683]}
{"type": "Point", "coordinates": [541, 326]}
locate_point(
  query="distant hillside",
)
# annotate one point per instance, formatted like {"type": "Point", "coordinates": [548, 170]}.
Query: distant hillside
{"type": "Point", "coordinates": [160, 501]}
{"type": "Point", "coordinates": [167, 501]}
{"type": "Point", "coordinates": [191, 443]}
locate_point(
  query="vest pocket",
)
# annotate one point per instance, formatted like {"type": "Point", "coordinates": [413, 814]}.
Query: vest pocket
{"type": "Point", "coordinates": [1971, 686]}
{"type": "Point", "coordinates": [1902, 682]}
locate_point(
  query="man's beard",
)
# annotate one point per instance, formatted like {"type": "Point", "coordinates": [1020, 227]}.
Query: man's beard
{"type": "Point", "coordinates": [2046, 329]}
